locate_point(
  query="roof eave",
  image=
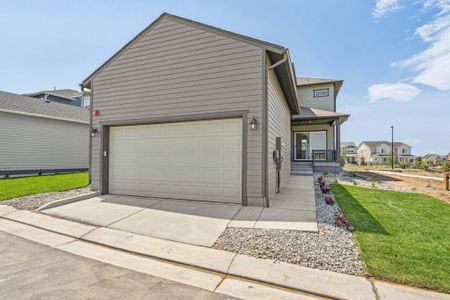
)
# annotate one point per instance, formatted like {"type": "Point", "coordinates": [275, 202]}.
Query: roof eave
{"type": "Point", "coordinates": [286, 76]}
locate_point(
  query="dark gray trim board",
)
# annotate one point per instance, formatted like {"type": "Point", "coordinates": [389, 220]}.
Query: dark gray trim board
{"type": "Point", "coordinates": [176, 118]}
{"type": "Point", "coordinates": [105, 140]}
{"type": "Point", "coordinates": [244, 159]}
{"type": "Point", "coordinates": [104, 160]}
{"type": "Point", "coordinates": [265, 133]}
{"type": "Point", "coordinates": [43, 171]}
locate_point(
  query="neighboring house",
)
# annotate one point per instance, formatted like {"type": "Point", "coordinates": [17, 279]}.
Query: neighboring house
{"type": "Point", "coordinates": [433, 159]}
{"type": "Point", "coordinates": [190, 111]}
{"type": "Point", "coordinates": [64, 96]}
{"type": "Point", "coordinates": [379, 152]}
{"type": "Point", "coordinates": [37, 136]}
{"type": "Point", "coordinates": [350, 150]}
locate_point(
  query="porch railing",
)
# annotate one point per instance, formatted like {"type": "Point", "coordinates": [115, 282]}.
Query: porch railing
{"type": "Point", "coordinates": [324, 155]}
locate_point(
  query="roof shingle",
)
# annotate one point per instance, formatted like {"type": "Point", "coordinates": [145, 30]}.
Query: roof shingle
{"type": "Point", "coordinates": [24, 104]}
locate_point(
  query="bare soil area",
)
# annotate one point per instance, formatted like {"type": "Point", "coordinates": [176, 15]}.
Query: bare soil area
{"type": "Point", "coordinates": [429, 187]}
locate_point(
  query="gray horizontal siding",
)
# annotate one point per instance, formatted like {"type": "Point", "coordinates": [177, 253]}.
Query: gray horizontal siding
{"type": "Point", "coordinates": [177, 70]}
{"type": "Point", "coordinates": [279, 125]}
{"type": "Point", "coordinates": [32, 143]}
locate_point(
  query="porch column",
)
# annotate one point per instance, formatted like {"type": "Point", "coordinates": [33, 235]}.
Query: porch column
{"type": "Point", "coordinates": [338, 141]}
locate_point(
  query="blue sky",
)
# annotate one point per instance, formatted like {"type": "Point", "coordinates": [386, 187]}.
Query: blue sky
{"type": "Point", "coordinates": [394, 55]}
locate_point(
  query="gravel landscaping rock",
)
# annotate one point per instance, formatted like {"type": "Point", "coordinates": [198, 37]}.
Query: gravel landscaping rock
{"type": "Point", "coordinates": [332, 248]}
{"type": "Point", "coordinates": [33, 202]}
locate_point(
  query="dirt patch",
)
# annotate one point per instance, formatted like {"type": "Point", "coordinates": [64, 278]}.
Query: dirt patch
{"type": "Point", "coordinates": [429, 187]}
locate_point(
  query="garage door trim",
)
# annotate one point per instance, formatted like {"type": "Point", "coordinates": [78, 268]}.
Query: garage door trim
{"type": "Point", "coordinates": [105, 127]}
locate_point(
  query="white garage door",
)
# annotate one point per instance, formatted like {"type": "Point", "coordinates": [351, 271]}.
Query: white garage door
{"type": "Point", "coordinates": [198, 160]}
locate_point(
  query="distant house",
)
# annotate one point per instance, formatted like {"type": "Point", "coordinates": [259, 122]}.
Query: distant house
{"type": "Point", "coordinates": [378, 152]}
{"type": "Point", "coordinates": [64, 96]}
{"type": "Point", "coordinates": [350, 150]}
{"type": "Point", "coordinates": [38, 136]}
{"type": "Point", "coordinates": [433, 159]}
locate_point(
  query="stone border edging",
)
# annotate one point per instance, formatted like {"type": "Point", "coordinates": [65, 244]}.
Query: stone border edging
{"type": "Point", "coordinates": [68, 200]}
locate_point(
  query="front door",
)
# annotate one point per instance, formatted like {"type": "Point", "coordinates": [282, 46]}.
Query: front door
{"type": "Point", "coordinates": [301, 146]}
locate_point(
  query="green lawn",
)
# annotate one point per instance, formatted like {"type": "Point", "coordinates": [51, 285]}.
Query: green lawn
{"type": "Point", "coordinates": [403, 237]}
{"type": "Point", "coordinates": [18, 187]}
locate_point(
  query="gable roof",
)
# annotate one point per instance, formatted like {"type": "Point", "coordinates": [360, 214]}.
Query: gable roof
{"type": "Point", "coordinates": [285, 72]}
{"type": "Point", "coordinates": [62, 93]}
{"type": "Point", "coordinates": [306, 81]}
{"type": "Point", "coordinates": [15, 103]}
{"type": "Point", "coordinates": [269, 46]}
{"type": "Point", "coordinates": [433, 156]}
{"type": "Point", "coordinates": [347, 144]}
{"type": "Point", "coordinates": [374, 144]}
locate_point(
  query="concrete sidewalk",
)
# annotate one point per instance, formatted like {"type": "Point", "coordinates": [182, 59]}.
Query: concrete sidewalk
{"type": "Point", "coordinates": [214, 270]}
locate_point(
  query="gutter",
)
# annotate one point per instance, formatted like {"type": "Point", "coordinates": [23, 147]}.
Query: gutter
{"type": "Point", "coordinates": [82, 87]}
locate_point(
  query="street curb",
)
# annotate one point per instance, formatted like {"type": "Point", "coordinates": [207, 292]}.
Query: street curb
{"type": "Point", "coordinates": [65, 201]}
{"type": "Point", "coordinates": [271, 273]}
{"type": "Point", "coordinates": [294, 278]}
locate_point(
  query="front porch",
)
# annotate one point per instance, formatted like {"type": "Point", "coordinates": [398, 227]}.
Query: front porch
{"type": "Point", "coordinates": [316, 139]}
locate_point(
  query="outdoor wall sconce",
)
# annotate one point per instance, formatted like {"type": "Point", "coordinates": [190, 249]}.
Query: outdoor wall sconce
{"type": "Point", "coordinates": [93, 132]}
{"type": "Point", "coordinates": [253, 124]}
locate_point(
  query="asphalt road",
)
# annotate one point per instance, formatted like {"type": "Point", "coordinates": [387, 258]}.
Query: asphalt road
{"type": "Point", "coordinates": [33, 271]}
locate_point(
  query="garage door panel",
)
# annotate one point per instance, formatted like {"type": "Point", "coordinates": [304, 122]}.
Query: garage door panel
{"type": "Point", "coordinates": [192, 160]}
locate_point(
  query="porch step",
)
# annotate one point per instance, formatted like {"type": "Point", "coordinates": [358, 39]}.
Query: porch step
{"type": "Point", "coordinates": [301, 168]}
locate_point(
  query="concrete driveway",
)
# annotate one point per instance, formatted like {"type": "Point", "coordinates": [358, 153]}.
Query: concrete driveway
{"type": "Point", "coordinates": [192, 222]}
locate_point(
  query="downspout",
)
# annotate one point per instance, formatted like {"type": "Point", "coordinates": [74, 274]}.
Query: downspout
{"type": "Point", "coordinates": [271, 67]}
{"type": "Point", "coordinates": [90, 136]}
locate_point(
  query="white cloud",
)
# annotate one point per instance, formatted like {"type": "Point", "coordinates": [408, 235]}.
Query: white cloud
{"type": "Point", "coordinates": [397, 92]}
{"type": "Point", "coordinates": [432, 65]}
{"type": "Point", "coordinates": [385, 7]}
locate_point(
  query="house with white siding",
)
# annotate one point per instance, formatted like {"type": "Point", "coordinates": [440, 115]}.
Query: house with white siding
{"type": "Point", "coordinates": [41, 137]}
{"type": "Point", "coordinates": [349, 151]}
{"type": "Point", "coordinates": [379, 152]}
{"type": "Point", "coordinates": [193, 112]}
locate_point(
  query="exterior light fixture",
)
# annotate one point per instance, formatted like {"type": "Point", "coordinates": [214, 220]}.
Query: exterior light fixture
{"type": "Point", "coordinates": [253, 124]}
{"type": "Point", "coordinates": [96, 113]}
{"type": "Point", "coordinates": [93, 132]}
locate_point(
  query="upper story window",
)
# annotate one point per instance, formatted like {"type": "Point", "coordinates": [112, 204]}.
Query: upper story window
{"type": "Point", "coordinates": [403, 150]}
{"type": "Point", "coordinates": [382, 150]}
{"type": "Point", "coordinates": [321, 93]}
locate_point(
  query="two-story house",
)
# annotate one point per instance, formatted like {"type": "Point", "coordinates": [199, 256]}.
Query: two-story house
{"type": "Point", "coordinates": [316, 130]}
{"type": "Point", "coordinates": [349, 152]}
{"type": "Point", "coordinates": [193, 112]}
{"type": "Point", "coordinates": [379, 152]}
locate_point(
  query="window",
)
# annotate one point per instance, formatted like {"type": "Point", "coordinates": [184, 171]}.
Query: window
{"type": "Point", "coordinates": [321, 93]}
{"type": "Point", "coordinates": [382, 150]}
{"type": "Point", "coordinates": [403, 150]}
